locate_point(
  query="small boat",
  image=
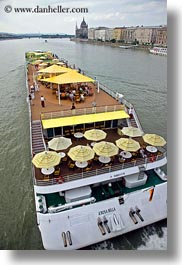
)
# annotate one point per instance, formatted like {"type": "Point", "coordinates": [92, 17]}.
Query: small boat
{"type": "Point", "coordinates": [158, 50]}
{"type": "Point", "coordinates": [129, 46]}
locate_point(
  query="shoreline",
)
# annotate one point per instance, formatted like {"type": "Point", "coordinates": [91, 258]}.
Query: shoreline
{"type": "Point", "coordinates": [117, 44]}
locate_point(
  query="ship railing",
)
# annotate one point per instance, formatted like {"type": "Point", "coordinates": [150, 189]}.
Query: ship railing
{"type": "Point", "coordinates": [126, 105]}
{"type": "Point", "coordinates": [108, 90]}
{"type": "Point", "coordinates": [83, 111]}
{"type": "Point", "coordinates": [103, 170]}
{"type": "Point", "coordinates": [114, 95]}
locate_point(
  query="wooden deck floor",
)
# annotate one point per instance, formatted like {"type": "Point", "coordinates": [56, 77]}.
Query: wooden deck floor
{"type": "Point", "coordinates": [112, 136]}
{"type": "Point", "coordinates": [52, 104]}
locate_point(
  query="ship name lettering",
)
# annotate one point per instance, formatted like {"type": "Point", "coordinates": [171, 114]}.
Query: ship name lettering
{"type": "Point", "coordinates": [110, 210]}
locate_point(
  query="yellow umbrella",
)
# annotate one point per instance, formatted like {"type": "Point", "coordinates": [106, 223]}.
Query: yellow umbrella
{"type": "Point", "coordinates": [43, 58]}
{"type": "Point", "coordinates": [46, 159]}
{"type": "Point", "coordinates": [132, 131]}
{"type": "Point", "coordinates": [95, 135]}
{"type": "Point", "coordinates": [105, 149]}
{"type": "Point", "coordinates": [128, 144]}
{"type": "Point", "coordinates": [59, 143]}
{"type": "Point", "coordinates": [55, 69]}
{"type": "Point", "coordinates": [81, 153]}
{"type": "Point", "coordinates": [37, 62]}
{"type": "Point", "coordinates": [154, 139]}
{"type": "Point", "coordinates": [67, 78]}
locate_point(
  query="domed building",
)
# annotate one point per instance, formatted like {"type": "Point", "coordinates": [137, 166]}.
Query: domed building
{"type": "Point", "coordinates": [82, 32]}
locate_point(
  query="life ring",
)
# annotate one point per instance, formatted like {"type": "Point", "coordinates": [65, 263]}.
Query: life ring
{"type": "Point", "coordinates": [60, 179]}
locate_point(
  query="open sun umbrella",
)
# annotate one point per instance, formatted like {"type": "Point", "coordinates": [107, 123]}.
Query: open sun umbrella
{"type": "Point", "coordinates": [59, 143]}
{"type": "Point", "coordinates": [37, 62]}
{"type": "Point", "coordinates": [95, 135]}
{"type": "Point", "coordinates": [128, 144]}
{"type": "Point", "coordinates": [154, 139]}
{"type": "Point", "coordinates": [81, 153]}
{"type": "Point", "coordinates": [55, 69]}
{"type": "Point", "coordinates": [43, 64]}
{"type": "Point", "coordinates": [106, 149]}
{"type": "Point", "coordinates": [132, 131]}
{"type": "Point", "coordinates": [46, 159]}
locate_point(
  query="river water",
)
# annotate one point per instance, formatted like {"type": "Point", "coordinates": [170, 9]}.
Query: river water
{"type": "Point", "coordinates": [140, 76]}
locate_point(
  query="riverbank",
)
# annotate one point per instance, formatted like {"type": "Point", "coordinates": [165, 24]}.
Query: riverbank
{"type": "Point", "coordinates": [111, 44]}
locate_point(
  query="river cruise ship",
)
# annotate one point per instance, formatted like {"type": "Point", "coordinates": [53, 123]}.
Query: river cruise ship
{"type": "Point", "coordinates": [96, 173]}
{"type": "Point", "coordinates": [158, 51]}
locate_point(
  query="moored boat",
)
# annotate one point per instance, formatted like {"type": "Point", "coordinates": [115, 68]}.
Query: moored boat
{"type": "Point", "coordinates": [96, 175]}
{"type": "Point", "coordinates": [158, 50]}
{"type": "Point", "coordinates": [129, 46]}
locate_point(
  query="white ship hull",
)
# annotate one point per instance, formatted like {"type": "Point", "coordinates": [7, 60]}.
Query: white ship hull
{"type": "Point", "coordinates": [82, 223]}
{"type": "Point", "coordinates": [158, 51]}
{"type": "Point", "coordinates": [74, 210]}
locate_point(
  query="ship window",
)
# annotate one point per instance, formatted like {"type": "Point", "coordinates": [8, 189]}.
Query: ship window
{"type": "Point", "coordinates": [50, 133]}
{"type": "Point", "coordinates": [99, 125]}
{"type": "Point", "coordinates": [78, 128]}
{"type": "Point", "coordinates": [115, 124]}
{"type": "Point", "coordinates": [107, 124]}
{"type": "Point", "coordinates": [67, 130]}
{"type": "Point", "coordinates": [58, 131]}
{"type": "Point", "coordinates": [89, 126]}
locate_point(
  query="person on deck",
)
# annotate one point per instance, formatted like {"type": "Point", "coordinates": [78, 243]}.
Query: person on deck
{"type": "Point", "coordinates": [30, 99]}
{"type": "Point", "coordinates": [42, 99]}
{"type": "Point", "coordinates": [73, 106]}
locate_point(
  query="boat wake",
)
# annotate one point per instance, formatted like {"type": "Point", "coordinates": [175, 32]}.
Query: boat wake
{"type": "Point", "coordinates": [157, 240]}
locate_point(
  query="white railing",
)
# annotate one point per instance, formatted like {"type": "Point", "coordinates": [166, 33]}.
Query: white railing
{"type": "Point", "coordinates": [100, 171]}
{"type": "Point", "coordinates": [77, 112]}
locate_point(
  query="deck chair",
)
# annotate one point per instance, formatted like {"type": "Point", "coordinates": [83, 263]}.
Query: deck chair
{"type": "Point", "coordinates": [57, 172]}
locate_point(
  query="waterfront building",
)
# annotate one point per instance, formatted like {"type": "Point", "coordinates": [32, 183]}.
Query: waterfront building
{"type": "Point", "coordinates": [82, 32]}
{"type": "Point", "coordinates": [91, 34]}
{"type": "Point", "coordinates": [118, 33]}
{"type": "Point", "coordinates": [143, 35]}
{"type": "Point", "coordinates": [161, 36]}
{"type": "Point", "coordinates": [151, 35]}
{"type": "Point", "coordinates": [128, 34]}
{"type": "Point", "coordinates": [109, 34]}
{"type": "Point", "coordinates": [147, 35]}
{"type": "Point", "coordinates": [100, 33]}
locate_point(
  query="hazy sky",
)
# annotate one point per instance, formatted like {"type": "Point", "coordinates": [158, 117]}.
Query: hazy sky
{"type": "Point", "coordinates": [110, 13]}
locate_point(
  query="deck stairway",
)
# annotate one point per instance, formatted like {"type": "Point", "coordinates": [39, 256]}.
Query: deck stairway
{"type": "Point", "coordinates": [38, 144]}
{"type": "Point", "coordinates": [133, 122]}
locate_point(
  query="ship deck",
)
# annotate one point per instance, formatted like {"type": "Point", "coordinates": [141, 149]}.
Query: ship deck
{"type": "Point", "coordinates": [52, 103]}
{"type": "Point", "coordinates": [103, 192]}
{"type": "Point", "coordinates": [95, 167]}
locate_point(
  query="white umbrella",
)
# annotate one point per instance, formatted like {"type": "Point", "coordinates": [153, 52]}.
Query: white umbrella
{"type": "Point", "coordinates": [59, 143]}
{"type": "Point", "coordinates": [106, 149]}
{"type": "Point", "coordinates": [81, 153]}
{"type": "Point", "coordinates": [132, 131]}
{"type": "Point", "coordinates": [95, 135]}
